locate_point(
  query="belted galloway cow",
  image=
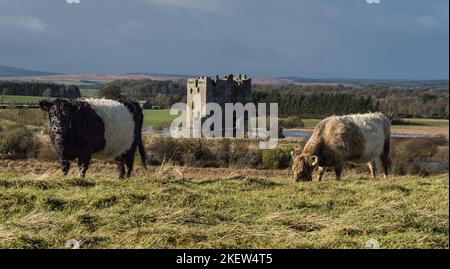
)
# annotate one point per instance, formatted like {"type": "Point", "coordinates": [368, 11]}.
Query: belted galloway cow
{"type": "Point", "coordinates": [95, 128]}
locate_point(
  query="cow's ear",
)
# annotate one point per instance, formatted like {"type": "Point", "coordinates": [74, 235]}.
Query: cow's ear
{"type": "Point", "coordinates": [314, 160]}
{"type": "Point", "coordinates": [45, 105]}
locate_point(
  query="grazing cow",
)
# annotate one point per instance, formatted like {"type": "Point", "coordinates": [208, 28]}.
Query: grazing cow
{"type": "Point", "coordinates": [360, 138]}
{"type": "Point", "coordinates": [98, 128]}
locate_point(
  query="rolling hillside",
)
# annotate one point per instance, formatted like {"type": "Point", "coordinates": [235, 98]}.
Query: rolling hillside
{"type": "Point", "coordinates": [8, 71]}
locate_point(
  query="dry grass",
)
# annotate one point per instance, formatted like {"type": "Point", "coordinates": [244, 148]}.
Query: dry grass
{"type": "Point", "coordinates": [181, 207]}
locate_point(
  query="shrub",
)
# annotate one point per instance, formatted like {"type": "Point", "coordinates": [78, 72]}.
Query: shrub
{"type": "Point", "coordinates": [204, 152]}
{"type": "Point", "coordinates": [165, 148]}
{"type": "Point", "coordinates": [197, 152]}
{"type": "Point", "coordinates": [238, 153]}
{"type": "Point", "coordinates": [276, 158]}
{"type": "Point", "coordinates": [408, 155]}
{"type": "Point", "coordinates": [17, 142]}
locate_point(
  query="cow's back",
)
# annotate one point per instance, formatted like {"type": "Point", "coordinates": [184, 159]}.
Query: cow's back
{"type": "Point", "coordinates": [375, 128]}
{"type": "Point", "coordinates": [119, 127]}
{"type": "Point", "coordinates": [356, 138]}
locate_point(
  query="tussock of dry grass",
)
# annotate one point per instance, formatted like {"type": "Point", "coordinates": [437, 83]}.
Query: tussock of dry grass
{"type": "Point", "coordinates": [178, 207]}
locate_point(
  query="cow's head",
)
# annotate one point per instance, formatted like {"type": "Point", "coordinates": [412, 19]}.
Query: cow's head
{"type": "Point", "coordinates": [303, 166]}
{"type": "Point", "coordinates": [60, 114]}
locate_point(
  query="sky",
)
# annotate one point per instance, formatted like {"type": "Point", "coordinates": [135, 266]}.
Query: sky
{"type": "Point", "coordinates": [393, 39]}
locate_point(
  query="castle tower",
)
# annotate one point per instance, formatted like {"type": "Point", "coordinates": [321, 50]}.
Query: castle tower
{"type": "Point", "coordinates": [203, 90]}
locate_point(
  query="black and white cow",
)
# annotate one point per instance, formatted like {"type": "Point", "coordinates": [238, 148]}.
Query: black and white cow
{"type": "Point", "coordinates": [95, 128]}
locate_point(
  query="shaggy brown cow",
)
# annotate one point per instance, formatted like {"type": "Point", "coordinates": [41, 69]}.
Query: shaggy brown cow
{"type": "Point", "coordinates": [360, 138]}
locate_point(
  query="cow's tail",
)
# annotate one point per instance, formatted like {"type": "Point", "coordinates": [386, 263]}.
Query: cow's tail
{"type": "Point", "coordinates": [142, 152]}
{"type": "Point", "coordinates": [138, 116]}
{"type": "Point", "coordinates": [141, 148]}
{"type": "Point", "coordinates": [385, 157]}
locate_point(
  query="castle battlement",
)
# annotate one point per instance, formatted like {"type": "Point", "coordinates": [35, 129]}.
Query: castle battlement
{"type": "Point", "coordinates": [239, 79]}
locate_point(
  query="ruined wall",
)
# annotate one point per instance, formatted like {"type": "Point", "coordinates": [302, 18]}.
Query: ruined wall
{"type": "Point", "coordinates": [203, 90]}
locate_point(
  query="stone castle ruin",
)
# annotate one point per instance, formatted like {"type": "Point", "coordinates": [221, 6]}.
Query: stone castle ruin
{"type": "Point", "coordinates": [202, 90]}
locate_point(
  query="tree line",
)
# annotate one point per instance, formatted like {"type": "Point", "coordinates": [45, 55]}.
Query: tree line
{"type": "Point", "coordinates": [39, 89]}
{"type": "Point", "coordinates": [393, 101]}
{"type": "Point", "coordinates": [311, 100]}
{"type": "Point", "coordinates": [315, 105]}
{"type": "Point", "coordinates": [156, 92]}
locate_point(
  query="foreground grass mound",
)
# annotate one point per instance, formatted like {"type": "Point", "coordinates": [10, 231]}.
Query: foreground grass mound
{"type": "Point", "coordinates": [160, 211]}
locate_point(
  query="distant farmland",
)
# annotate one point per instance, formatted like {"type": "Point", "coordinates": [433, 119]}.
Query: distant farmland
{"type": "Point", "coordinates": [19, 99]}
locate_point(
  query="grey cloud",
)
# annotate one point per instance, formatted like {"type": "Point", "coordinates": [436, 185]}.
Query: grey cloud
{"type": "Point", "coordinates": [310, 38]}
{"type": "Point", "coordinates": [21, 23]}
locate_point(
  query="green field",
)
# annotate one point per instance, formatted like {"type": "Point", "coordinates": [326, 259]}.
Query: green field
{"type": "Point", "coordinates": [157, 118]}
{"type": "Point", "coordinates": [151, 117]}
{"type": "Point", "coordinates": [89, 93]}
{"type": "Point", "coordinates": [23, 99]}
{"type": "Point", "coordinates": [162, 118]}
{"type": "Point", "coordinates": [310, 122]}
{"type": "Point", "coordinates": [44, 210]}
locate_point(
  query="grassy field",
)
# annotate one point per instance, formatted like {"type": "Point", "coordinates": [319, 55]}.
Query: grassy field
{"type": "Point", "coordinates": [160, 117]}
{"type": "Point", "coordinates": [89, 93]}
{"type": "Point", "coordinates": [311, 122]}
{"type": "Point", "coordinates": [171, 208]}
{"type": "Point", "coordinates": [23, 99]}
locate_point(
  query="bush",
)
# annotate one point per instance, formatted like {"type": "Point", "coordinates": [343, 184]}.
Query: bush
{"type": "Point", "coordinates": [239, 153]}
{"type": "Point", "coordinates": [276, 159]}
{"type": "Point", "coordinates": [165, 148]}
{"type": "Point", "coordinates": [17, 142]}
{"type": "Point", "coordinates": [409, 155]}
{"type": "Point", "coordinates": [204, 152]}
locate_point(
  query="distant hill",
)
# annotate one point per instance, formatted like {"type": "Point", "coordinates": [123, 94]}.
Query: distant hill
{"type": "Point", "coordinates": [377, 82]}
{"type": "Point", "coordinates": [8, 71]}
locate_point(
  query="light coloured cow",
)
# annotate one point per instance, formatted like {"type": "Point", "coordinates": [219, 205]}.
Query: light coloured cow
{"type": "Point", "coordinates": [359, 138]}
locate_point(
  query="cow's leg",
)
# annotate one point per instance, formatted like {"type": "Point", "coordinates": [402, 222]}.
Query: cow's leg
{"type": "Point", "coordinates": [321, 171]}
{"type": "Point", "coordinates": [65, 166]}
{"type": "Point", "coordinates": [338, 170]}
{"type": "Point", "coordinates": [120, 168]}
{"type": "Point", "coordinates": [373, 168]}
{"type": "Point", "coordinates": [129, 161]}
{"type": "Point", "coordinates": [83, 163]}
{"type": "Point", "coordinates": [385, 164]}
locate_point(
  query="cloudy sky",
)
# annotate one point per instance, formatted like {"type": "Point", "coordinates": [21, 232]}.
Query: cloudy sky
{"type": "Point", "coordinates": [305, 38]}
